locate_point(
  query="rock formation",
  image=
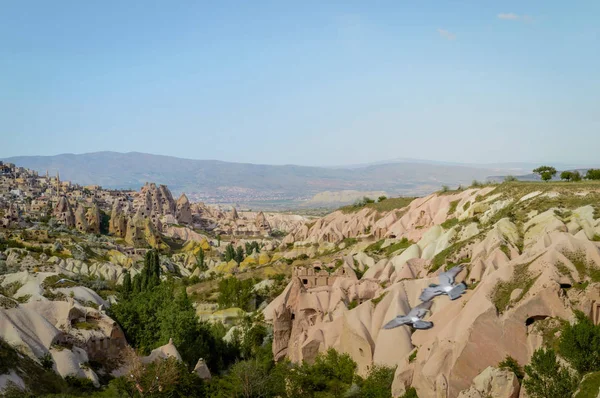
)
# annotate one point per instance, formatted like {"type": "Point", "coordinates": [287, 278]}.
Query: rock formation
{"type": "Point", "coordinates": [201, 369]}
{"type": "Point", "coordinates": [141, 232]}
{"type": "Point", "coordinates": [12, 217]}
{"type": "Point", "coordinates": [493, 383]}
{"type": "Point", "coordinates": [261, 222]}
{"type": "Point", "coordinates": [118, 219]}
{"type": "Point", "coordinates": [63, 213]}
{"type": "Point", "coordinates": [93, 219]}
{"type": "Point", "coordinates": [184, 211]}
{"type": "Point", "coordinates": [519, 260]}
{"type": "Point", "coordinates": [80, 219]}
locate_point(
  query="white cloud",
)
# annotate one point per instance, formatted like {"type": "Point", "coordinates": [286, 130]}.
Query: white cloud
{"type": "Point", "coordinates": [446, 34]}
{"type": "Point", "coordinates": [514, 17]}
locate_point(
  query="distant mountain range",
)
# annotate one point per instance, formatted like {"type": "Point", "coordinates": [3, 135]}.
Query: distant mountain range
{"type": "Point", "coordinates": [227, 182]}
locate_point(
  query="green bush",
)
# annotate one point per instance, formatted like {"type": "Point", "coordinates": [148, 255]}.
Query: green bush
{"type": "Point", "coordinates": [579, 344]}
{"type": "Point", "coordinates": [511, 364]}
{"type": "Point", "coordinates": [546, 378]}
{"type": "Point", "coordinates": [47, 361]}
{"type": "Point", "coordinates": [378, 383]}
{"type": "Point", "coordinates": [235, 293]}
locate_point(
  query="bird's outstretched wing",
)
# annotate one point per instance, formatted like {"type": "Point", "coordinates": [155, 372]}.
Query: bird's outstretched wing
{"type": "Point", "coordinates": [397, 321]}
{"type": "Point", "coordinates": [447, 278]}
{"type": "Point", "coordinates": [422, 325]}
{"type": "Point", "coordinates": [457, 291]}
{"type": "Point", "coordinates": [429, 293]}
{"type": "Point", "coordinates": [420, 310]}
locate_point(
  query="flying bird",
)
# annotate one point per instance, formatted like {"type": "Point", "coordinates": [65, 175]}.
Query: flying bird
{"type": "Point", "coordinates": [446, 286]}
{"type": "Point", "coordinates": [413, 318]}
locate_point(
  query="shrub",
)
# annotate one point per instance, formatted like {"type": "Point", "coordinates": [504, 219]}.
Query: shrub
{"type": "Point", "coordinates": [46, 361]}
{"type": "Point", "coordinates": [445, 188]}
{"type": "Point", "coordinates": [510, 178]}
{"type": "Point", "coordinates": [235, 293]}
{"type": "Point", "coordinates": [511, 364]}
{"type": "Point", "coordinates": [381, 198]}
{"type": "Point", "coordinates": [546, 378]}
{"type": "Point", "coordinates": [410, 393]}
{"type": "Point", "coordinates": [413, 356]}
{"type": "Point", "coordinates": [449, 223]}
{"type": "Point", "coordinates": [579, 344]}
{"type": "Point", "coordinates": [378, 383]}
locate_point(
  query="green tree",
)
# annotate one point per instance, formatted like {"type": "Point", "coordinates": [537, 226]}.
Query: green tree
{"type": "Point", "coordinates": [104, 223]}
{"type": "Point", "coordinates": [127, 288]}
{"type": "Point", "coordinates": [229, 252]}
{"type": "Point", "coordinates": [378, 383]}
{"type": "Point", "coordinates": [381, 198]}
{"type": "Point", "coordinates": [239, 254]}
{"type": "Point", "coordinates": [579, 344]}
{"type": "Point", "coordinates": [570, 176]}
{"type": "Point", "coordinates": [546, 378]}
{"type": "Point", "coordinates": [235, 293]}
{"type": "Point", "coordinates": [200, 260]}
{"type": "Point", "coordinates": [545, 172]}
{"type": "Point", "coordinates": [593, 174]}
{"type": "Point", "coordinates": [137, 284]}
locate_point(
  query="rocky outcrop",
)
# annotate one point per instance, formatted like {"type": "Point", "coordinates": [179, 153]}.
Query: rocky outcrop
{"type": "Point", "coordinates": [517, 267]}
{"type": "Point", "coordinates": [12, 217]}
{"type": "Point", "coordinates": [93, 219]}
{"type": "Point", "coordinates": [261, 222]}
{"type": "Point", "coordinates": [201, 369]}
{"type": "Point", "coordinates": [141, 232]}
{"type": "Point", "coordinates": [493, 383]}
{"type": "Point", "coordinates": [80, 220]}
{"type": "Point", "coordinates": [118, 219]}
{"type": "Point", "coordinates": [184, 211]}
{"type": "Point", "coordinates": [64, 213]}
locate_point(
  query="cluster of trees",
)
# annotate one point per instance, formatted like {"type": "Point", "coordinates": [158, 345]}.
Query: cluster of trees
{"type": "Point", "coordinates": [239, 253]}
{"type": "Point", "coordinates": [251, 247]}
{"type": "Point", "coordinates": [145, 280]}
{"type": "Point", "coordinates": [236, 254]}
{"type": "Point", "coordinates": [546, 173]}
{"type": "Point", "coordinates": [331, 375]}
{"type": "Point", "coordinates": [151, 311]}
{"type": "Point", "coordinates": [241, 367]}
{"type": "Point", "coordinates": [547, 377]}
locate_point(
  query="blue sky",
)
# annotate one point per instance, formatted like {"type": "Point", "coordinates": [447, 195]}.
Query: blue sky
{"type": "Point", "coordinates": [303, 82]}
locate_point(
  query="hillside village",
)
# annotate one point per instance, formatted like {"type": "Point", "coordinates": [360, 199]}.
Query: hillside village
{"type": "Point", "coordinates": [80, 267]}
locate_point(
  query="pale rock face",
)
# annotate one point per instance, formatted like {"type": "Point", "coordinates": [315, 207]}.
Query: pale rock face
{"type": "Point", "coordinates": [64, 213]}
{"type": "Point", "coordinates": [184, 211]}
{"type": "Point", "coordinates": [449, 359]}
{"type": "Point", "coordinates": [201, 369]}
{"type": "Point", "coordinates": [493, 383]}
{"type": "Point", "coordinates": [118, 220]}
{"type": "Point", "coordinates": [80, 219]}
{"type": "Point", "coordinates": [93, 219]}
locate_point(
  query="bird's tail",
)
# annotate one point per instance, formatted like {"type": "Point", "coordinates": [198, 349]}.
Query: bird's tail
{"type": "Point", "coordinates": [457, 291]}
